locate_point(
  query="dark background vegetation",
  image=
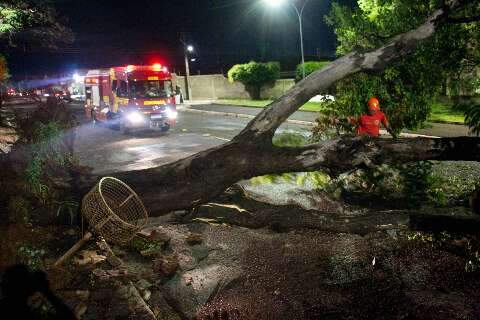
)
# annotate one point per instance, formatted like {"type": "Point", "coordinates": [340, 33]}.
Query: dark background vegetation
{"type": "Point", "coordinates": [224, 32]}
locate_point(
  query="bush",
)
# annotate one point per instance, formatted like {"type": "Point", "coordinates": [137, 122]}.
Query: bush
{"type": "Point", "coordinates": [254, 75]}
{"type": "Point", "coordinates": [310, 67]}
{"type": "Point", "coordinates": [472, 117]}
{"type": "Point", "coordinates": [31, 256]}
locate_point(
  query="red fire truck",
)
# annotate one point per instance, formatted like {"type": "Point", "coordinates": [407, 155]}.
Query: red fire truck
{"type": "Point", "coordinates": [133, 96]}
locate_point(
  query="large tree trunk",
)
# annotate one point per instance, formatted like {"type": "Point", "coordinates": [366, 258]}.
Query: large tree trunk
{"type": "Point", "coordinates": [197, 179]}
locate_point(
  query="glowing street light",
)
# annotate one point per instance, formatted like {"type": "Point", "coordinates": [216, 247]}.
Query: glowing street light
{"type": "Point", "coordinates": [299, 11]}
{"type": "Point", "coordinates": [190, 48]}
{"type": "Point", "coordinates": [274, 3]}
{"type": "Point", "coordinates": [77, 78]}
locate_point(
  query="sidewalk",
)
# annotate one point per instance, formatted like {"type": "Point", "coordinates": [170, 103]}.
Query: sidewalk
{"type": "Point", "coordinates": [300, 117]}
{"type": "Point", "coordinates": [308, 118]}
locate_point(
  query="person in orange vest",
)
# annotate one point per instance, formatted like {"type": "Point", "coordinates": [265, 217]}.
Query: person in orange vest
{"type": "Point", "coordinates": [369, 124]}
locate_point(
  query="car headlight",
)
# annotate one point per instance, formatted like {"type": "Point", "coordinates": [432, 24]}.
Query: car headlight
{"type": "Point", "coordinates": [135, 117]}
{"type": "Point", "coordinates": [171, 114]}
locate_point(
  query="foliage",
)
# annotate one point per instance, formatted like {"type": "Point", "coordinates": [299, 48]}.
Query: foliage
{"type": "Point", "coordinates": [47, 151]}
{"type": "Point", "coordinates": [472, 118]}
{"type": "Point", "coordinates": [290, 139]}
{"type": "Point", "coordinates": [46, 139]}
{"type": "Point", "coordinates": [33, 177]}
{"type": "Point", "coordinates": [148, 247]}
{"type": "Point", "coordinates": [407, 181]}
{"type": "Point", "coordinates": [465, 83]}
{"type": "Point", "coordinates": [332, 121]}
{"type": "Point", "coordinates": [455, 181]}
{"type": "Point", "coordinates": [447, 113]}
{"type": "Point", "coordinates": [34, 21]}
{"type": "Point", "coordinates": [254, 75]}
{"type": "Point", "coordinates": [316, 179]}
{"type": "Point", "coordinates": [31, 256]}
{"type": "Point", "coordinates": [310, 67]}
{"type": "Point", "coordinates": [445, 239]}
{"type": "Point", "coordinates": [408, 88]}
{"type": "Point", "coordinates": [435, 183]}
{"type": "Point", "coordinates": [35, 187]}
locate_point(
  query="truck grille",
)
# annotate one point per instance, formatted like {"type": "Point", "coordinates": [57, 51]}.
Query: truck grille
{"type": "Point", "coordinates": [152, 109]}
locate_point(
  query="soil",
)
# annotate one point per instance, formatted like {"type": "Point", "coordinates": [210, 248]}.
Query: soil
{"type": "Point", "coordinates": [233, 271]}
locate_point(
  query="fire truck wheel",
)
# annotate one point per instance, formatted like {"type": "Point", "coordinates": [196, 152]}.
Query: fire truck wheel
{"type": "Point", "coordinates": [94, 118]}
{"type": "Point", "coordinates": [165, 128]}
{"type": "Point", "coordinates": [123, 128]}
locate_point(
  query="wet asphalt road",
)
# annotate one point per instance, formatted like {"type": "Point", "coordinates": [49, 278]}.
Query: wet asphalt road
{"type": "Point", "coordinates": [108, 150]}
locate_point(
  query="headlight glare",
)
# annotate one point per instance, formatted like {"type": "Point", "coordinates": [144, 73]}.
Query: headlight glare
{"type": "Point", "coordinates": [135, 117]}
{"type": "Point", "coordinates": [171, 114]}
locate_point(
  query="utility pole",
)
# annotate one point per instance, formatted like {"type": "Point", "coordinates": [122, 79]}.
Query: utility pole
{"type": "Point", "coordinates": [187, 72]}
{"type": "Point", "coordinates": [186, 50]}
{"type": "Point", "coordinates": [299, 11]}
{"type": "Point", "coordinates": [300, 23]}
{"type": "Point", "coordinates": [24, 62]}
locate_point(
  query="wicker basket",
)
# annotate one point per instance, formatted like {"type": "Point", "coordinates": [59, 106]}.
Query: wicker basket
{"type": "Point", "coordinates": [114, 211]}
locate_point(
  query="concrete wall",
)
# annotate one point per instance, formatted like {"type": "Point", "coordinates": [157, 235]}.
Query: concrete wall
{"type": "Point", "coordinates": [217, 86]}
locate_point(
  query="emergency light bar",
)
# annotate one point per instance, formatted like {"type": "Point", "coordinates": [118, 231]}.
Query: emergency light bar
{"type": "Point", "coordinates": [155, 67]}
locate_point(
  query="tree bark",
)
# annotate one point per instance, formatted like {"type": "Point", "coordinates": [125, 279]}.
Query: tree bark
{"type": "Point", "coordinates": [198, 178]}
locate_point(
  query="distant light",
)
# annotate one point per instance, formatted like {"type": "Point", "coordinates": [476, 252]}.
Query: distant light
{"type": "Point", "coordinates": [165, 69]}
{"type": "Point", "coordinates": [274, 3]}
{"type": "Point", "coordinates": [193, 59]}
{"type": "Point", "coordinates": [130, 68]}
{"type": "Point", "coordinates": [190, 48]}
{"type": "Point", "coordinates": [77, 78]}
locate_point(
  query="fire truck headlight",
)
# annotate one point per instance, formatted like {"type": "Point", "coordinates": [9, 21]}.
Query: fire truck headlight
{"type": "Point", "coordinates": [171, 114]}
{"type": "Point", "coordinates": [135, 117]}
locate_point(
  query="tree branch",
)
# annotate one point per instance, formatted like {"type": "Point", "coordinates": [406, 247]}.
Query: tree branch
{"type": "Point", "coordinates": [276, 113]}
{"type": "Point", "coordinates": [194, 180]}
{"type": "Point", "coordinates": [199, 178]}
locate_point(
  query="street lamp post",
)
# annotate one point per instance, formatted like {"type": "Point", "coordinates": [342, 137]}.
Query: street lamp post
{"type": "Point", "coordinates": [188, 49]}
{"type": "Point", "coordinates": [299, 12]}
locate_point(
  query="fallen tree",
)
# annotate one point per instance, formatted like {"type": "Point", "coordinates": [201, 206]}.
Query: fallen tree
{"type": "Point", "coordinates": [196, 179]}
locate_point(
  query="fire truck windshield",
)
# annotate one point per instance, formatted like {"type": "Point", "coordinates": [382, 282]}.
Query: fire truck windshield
{"type": "Point", "coordinates": [143, 89]}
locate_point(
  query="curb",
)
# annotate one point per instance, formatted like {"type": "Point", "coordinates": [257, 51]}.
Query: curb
{"type": "Point", "coordinates": [447, 122]}
{"type": "Point", "coordinates": [251, 107]}
{"type": "Point", "coordinates": [186, 108]}
{"type": "Point", "coordinates": [238, 115]}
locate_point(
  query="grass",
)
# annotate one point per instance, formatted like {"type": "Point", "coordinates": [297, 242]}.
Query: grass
{"type": "Point", "coordinates": [309, 106]}
{"type": "Point", "coordinates": [445, 113]}
{"type": "Point", "coordinates": [440, 112]}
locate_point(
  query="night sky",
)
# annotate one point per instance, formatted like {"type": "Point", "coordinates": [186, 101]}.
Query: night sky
{"type": "Point", "coordinates": [223, 32]}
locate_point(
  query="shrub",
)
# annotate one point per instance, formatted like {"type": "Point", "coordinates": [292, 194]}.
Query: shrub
{"type": "Point", "coordinates": [31, 256]}
{"type": "Point", "coordinates": [255, 75]}
{"type": "Point", "coordinates": [310, 67]}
